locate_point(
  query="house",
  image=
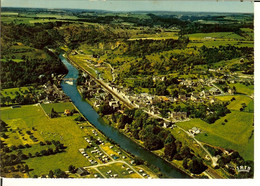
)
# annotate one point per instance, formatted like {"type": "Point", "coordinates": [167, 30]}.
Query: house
{"type": "Point", "coordinates": [82, 172]}
{"type": "Point", "coordinates": [166, 124]}
{"type": "Point", "coordinates": [164, 98]}
{"type": "Point", "coordinates": [178, 115]}
{"type": "Point", "coordinates": [230, 91]}
{"type": "Point", "coordinates": [204, 93]}
{"type": "Point", "coordinates": [212, 100]}
{"type": "Point", "coordinates": [67, 112]}
{"type": "Point", "coordinates": [182, 97]}
{"type": "Point", "coordinates": [91, 83]}
{"type": "Point", "coordinates": [194, 98]}
{"type": "Point", "coordinates": [194, 130]}
{"type": "Point", "coordinates": [214, 91]}
{"type": "Point", "coordinates": [114, 104]}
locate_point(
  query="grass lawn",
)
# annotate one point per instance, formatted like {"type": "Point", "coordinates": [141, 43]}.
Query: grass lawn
{"type": "Point", "coordinates": [215, 35]}
{"type": "Point", "coordinates": [63, 129]}
{"type": "Point", "coordinates": [58, 107]}
{"type": "Point", "coordinates": [200, 43]}
{"type": "Point", "coordinates": [11, 91]}
{"type": "Point", "coordinates": [243, 89]}
{"type": "Point", "coordinates": [117, 168]}
{"type": "Point", "coordinates": [236, 104]}
{"type": "Point", "coordinates": [187, 141]}
{"type": "Point", "coordinates": [234, 134]}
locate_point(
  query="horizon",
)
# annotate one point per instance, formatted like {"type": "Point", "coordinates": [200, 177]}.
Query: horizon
{"type": "Point", "coordinates": [205, 6]}
{"type": "Point", "coordinates": [122, 11]}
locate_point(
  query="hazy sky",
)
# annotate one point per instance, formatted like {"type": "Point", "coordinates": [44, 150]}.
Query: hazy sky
{"type": "Point", "coordinates": [127, 5]}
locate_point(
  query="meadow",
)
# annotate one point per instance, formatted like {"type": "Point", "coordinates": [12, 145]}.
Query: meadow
{"type": "Point", "coordinates": [243, 89]}
{"type": "Point", "coordinates": [237, 103]}
{"type": "Point", "coordinates": [58, 107]}
{"type": "Point", "coordinates": [12, 91]}
{"type": "Point", "coordinates": [31, 118]}
{"type": "Point", "coordinates": [63, 129]}
{"type": "Point", "coordinates": [232, 131]}
{"type": "Point", "coordinates": [215, 36]}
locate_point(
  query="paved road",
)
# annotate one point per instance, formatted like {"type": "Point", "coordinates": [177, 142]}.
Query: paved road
{"type": "Point", "coordinates": [212, 173]}
{"type": "Point", "coordinates": [104, 85]}
{"type": "Point", "coordinates": [129, 105]}
{"type": "Point", "coordinates": [112, 162]}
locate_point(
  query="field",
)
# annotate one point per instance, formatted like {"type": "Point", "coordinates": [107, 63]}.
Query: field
{"type": "Point", "coordinates": [11, 91]}
{"type": "Point", "coordinates": [64, 129]}
{"type": "Point", "coordinates": [234, 134]}
{"type": "Point", "coordinates": [243, 89]}
{"type": "Point", "coordinates": [27, 117]}
{"type": "Point", "coordinates": [82, 62]}
{"type": "Point", "coordinates": [217, 43]}
{"type": "Point", "coordinates": [215, 35]}
{"type": "Point", "coordinates": [237, 103]}
{"type": "Point", "coordinates": [22, 52]}
{"type": "Point", "coordinates": [58, 107]}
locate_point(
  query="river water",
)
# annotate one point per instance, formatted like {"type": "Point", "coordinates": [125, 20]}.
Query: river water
{"type": "Point", "coordinates": [112, 133]}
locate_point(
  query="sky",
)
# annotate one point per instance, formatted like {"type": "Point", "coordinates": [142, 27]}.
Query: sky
{"type": "Point", "coordinates": [139, 5]}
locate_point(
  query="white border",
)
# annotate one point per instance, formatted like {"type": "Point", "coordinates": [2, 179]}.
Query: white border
{"type": "Point", "coordinates": [172, 182]}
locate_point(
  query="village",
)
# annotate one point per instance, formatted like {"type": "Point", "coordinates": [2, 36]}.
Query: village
{"type": "Point", "coordinates": [149, 103]}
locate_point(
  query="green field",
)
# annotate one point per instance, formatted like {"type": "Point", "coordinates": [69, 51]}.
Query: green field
{"type": "Point", "coordinates": [236, 104]}
{"type": "Point", "coordinates": [234, 134]}
{"type": "Point", "coordinates": [58, 107]}
{"type": "Point", "coordinates": [243, 89]}
{"type": "Point", "coordinates": [215, 35]}
{"type": "Point", "coordinates": [117, 168]}
{"type": "Point", "coordinates": [11, 91]}
{"type": "Point", "coordinates": [63, 129]}
{"type": "Point", "coordinates": [217, 43]}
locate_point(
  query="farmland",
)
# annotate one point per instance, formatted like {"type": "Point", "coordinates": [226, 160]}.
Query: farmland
{"type": "Point", "coordinates": [32, 118]}
{"type": "Point", "coordinates": [234, 134]}
{"type": "Point", "coordinates": [236, 104]}
{"type": "Point", "coordinates": [171, 68]}
{"type": "Point", "coordinates": [12, 91]}
{"type": "Point", "coordinates": [58, 107]}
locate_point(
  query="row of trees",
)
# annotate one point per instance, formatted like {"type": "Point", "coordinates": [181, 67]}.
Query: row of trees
{"type": "Point", "coordinates": [30, 72]}
{"type": "Point", "coordinates": [148, 130]}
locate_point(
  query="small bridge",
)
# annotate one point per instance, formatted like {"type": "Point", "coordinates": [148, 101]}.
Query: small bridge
{"type": "Point", "coordinates": [69, 79]}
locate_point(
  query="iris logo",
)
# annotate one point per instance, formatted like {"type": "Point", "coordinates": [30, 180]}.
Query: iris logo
{"type": "Point", "coordinates": [242, 168]}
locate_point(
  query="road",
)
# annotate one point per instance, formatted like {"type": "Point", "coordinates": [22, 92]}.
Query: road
{"type": "Point", "coordinates": [221, 91]}
{"type": "Point", "coordinates": [212, 173]}
{"type": "Point", "coordinates": [129, 105]}
{"type": "Point", "coordinates": [104, 85]}
{"type": "Point", "coordinates": [112, 162]}
{"type": "Point", "coordinates": [214, 161]}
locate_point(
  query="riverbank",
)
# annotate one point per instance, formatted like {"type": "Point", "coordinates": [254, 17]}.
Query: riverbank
{"type": "Point", "coordinates": [130, 137]}
{"type": "Point", "coordinates": [138, 142]}
{"type": "Point", "coordinates": [109, 131]}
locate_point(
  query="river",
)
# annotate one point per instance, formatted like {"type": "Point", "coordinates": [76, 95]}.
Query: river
{"type": "Point", "coordinates": [112, 133]}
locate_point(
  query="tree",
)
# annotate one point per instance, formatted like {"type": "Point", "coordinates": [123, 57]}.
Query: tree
{"type": "Point", "coordinates": [186, 163]}
{"type": "Point", "coordinates": [51, 174]}
{"type": "Point", "coordinates": [26, 168]}
{"type": "Point", "coordinates": [54, 114]}
{"type": "Point", "coordinates": [170, 150]}
{"type": "Point", "coordinates": [37, 154]}
{"type": "Point", "coordinates": [60, 174]}
{"type": "Point", "coordinates": [170, 139]}
{"type": "Point", "coordinates": [72, 169]}
{"type": "Point", "coordinates": [197, 165]}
